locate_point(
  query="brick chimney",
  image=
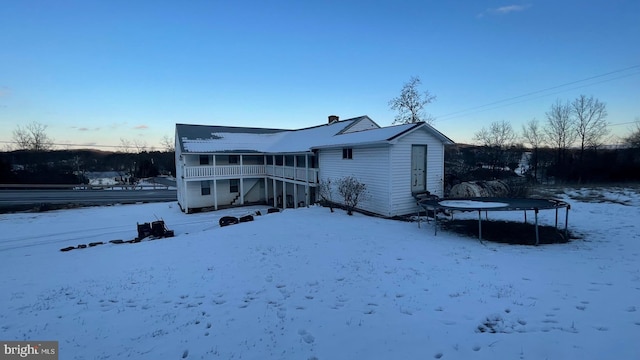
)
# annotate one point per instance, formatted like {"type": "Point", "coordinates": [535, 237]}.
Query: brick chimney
{"type": "Point", "coordinates": [333, 118]}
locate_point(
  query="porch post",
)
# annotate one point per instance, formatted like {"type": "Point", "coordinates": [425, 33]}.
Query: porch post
{"type": "Point", "coordinates": [266, 184]}
{"type": "Point", "coordinates": [295, 186]}
{"type": "Point", "coordinates": [241, 181]}
{"type": "Point", "coordinates": [284, 195]}
{"type": "Point", "coordinates": [215, 194]}
{"type": "Point", "coordinates": [215, 184]}
{"type": "Point", "coordinates": [307, 196]}
{"type": "Point", "coordinates": [275, 197]}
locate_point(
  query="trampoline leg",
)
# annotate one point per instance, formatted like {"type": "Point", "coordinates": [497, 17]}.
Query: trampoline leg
{"type": "Point", "coordinates": [480, 225]}
{"type": "Point", "coordinates": [525, 216]}
{"type": "Point", "coordinates": [556, 218]}
{"type": "Point", "coordinates": [537, 236]}
{"type": "Point", "coordinates": [435, 222]}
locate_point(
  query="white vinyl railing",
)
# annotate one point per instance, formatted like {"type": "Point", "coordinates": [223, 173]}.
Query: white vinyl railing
{"type": "Point", "coordinates": [234, 171]}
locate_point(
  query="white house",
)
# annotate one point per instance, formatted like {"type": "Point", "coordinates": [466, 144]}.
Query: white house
{"type": "Point", "coordinates": [221, 166]}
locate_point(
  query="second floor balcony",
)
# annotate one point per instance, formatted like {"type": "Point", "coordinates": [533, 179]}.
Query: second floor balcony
{"type": "Point", "coordinates": [204, 172]}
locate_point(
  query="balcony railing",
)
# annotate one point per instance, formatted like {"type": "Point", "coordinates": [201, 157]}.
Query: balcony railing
{"type": "Point", "coordinates": [236, 171]}
{"type": "Point", "coordinates": [293, 173]}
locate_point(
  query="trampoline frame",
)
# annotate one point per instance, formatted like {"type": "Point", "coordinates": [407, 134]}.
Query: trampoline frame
{"type": "Point", "coordinates": [512, 204]}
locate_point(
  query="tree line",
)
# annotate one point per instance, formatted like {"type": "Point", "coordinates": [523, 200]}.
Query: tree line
{"type": "Point", "coordinates": [71, 166]}
{"type": "Point", "coordinates": [567, 146]}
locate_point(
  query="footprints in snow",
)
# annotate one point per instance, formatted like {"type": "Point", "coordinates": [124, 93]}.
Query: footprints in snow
{"type": "Point", "coordinates": [306, 336]}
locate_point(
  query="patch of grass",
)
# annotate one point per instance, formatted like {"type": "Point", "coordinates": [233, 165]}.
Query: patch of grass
{"type": "Point", "coordinates": [508, 232]}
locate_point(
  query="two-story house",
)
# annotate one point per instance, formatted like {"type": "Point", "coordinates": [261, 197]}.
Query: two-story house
{"type": "Point", "coordinates": [222, 166]}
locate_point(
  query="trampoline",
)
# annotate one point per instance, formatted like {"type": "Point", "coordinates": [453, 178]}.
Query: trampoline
{"type": "Point", "coordinates": [487, 204]}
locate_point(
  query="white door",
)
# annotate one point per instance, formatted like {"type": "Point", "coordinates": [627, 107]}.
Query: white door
{"type": "Point", "coordinates": [418, 168]}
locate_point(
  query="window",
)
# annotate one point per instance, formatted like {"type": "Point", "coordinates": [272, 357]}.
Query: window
{"type": "Point", "coordinates": [233, 159]}
{"type": "Point", "coordinates": [233, 185]}
{"type": "Point", "coordinates": [205, 187]}
{"type": "Point", "coordinates": [288, 160]}
{"type": "Point", "coordinates": [347, 153]}
{"type": "Point", "coordinates": [300, 160]}
{"type": "Point", "coordinates": [204, 159]}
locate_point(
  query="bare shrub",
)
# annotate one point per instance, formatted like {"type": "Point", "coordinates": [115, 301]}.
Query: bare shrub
{"type": "Point", "coordinates": [352, 191]}
{"type": "Point", "coordinates": [325, 190]}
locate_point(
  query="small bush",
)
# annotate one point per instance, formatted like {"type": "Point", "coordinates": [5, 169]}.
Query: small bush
{"type": "Point", "coordinates": [352, 191]}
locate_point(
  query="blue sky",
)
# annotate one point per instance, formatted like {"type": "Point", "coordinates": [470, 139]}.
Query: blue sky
{"type": "Point", "coordinates": [98, 71]}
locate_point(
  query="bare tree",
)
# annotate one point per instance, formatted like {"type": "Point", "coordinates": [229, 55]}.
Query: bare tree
{"type": "Point", "coordinates": [352, 192]}
{"type": "Point", "coordinates": [139, 145]}
{"type": "Point", "coordinates": [325, 191]}
{"type": "Point", "coordinates": [560, 130]}
{"type": "Point", "coordinates": [33, 137]}
{"type": "Point", "coordinates": [533, 136]}
{"type": "Point", "coordinates": [125, 146]}
{"type": "Point", "coordinates": [497, 138]}
{"type": "Point", "coordinates": [168, 144]}
{"type": "Point", "coordinates": [633, 139]}
{"type": "Point", "coordinates": [500, 134]}
{"type": "Point", "coordinates": [136, 146]}
{"type": "Point", "coordinates": [590, 121]}
{"type": "Point", "coordinates": [411, 102]}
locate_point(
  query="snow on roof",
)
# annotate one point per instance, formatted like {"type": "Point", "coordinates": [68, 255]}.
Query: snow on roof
{"type": "Point", "coordinates": [289, 141]}
{"type": "Point", "coordinates": [237, 142]}
{"type": "Point", "coordinates": [365, 136]}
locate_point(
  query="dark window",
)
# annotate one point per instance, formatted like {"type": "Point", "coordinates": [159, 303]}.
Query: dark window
{"type": "Point", "coordinates": [205, 187]}
{"type": "Point", "coordinates": [300, 160]}
{"type": "Point", "coordinates": [347, 153]}
{"type": "Point", "coordinates": [288, 160]}
{"type": "Point", "coordinates": [204, 159]}
{"type": "Point", "coordinates": [233, 185]}
{"type": "Point", "coordinates": [269, 160]}
{"type": "Point", "coordinates": [234, 159]}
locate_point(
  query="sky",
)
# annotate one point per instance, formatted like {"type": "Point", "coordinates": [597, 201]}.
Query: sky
{"type": "Point", "coordinates": [100, 72]}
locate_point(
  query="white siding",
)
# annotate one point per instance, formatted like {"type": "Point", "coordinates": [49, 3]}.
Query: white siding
{"type": "Point", "coordinates": [364, 124]}
{"type": "Point", "coordinates": [194, 197]}
{"type": "Point", "coordinates": [370, 165]}
{"type": "Point", "coordinates": [402, 202]}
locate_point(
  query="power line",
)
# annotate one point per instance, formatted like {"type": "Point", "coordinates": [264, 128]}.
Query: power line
{"type": "Point", "coordinates": [460, 112]}
{"type": "Point", "coordinates": [624, 123]}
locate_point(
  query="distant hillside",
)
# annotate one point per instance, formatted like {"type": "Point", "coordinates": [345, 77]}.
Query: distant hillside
{"type": "Point", "coordinates": [68, 166]}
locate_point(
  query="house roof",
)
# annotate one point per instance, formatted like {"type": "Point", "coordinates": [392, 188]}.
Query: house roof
{"type": "Point", "coordinates": [208, 139]}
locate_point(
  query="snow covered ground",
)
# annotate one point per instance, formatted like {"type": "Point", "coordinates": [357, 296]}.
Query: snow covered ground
{"type": "Point", "coordinates": [311, 284]}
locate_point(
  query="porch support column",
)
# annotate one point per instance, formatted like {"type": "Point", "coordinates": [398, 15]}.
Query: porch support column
{"type": "Point", "coordinates": [295, 186]}
{"type": "Point", "coordinates": [275, 193]}
{"type": "Point", "coordinates": [266, 183]}
{"type": "Point", "coordinates": [215, 194]}
{"type": "Point", "coordinates": [284, 195]}
{"type": "Point", "coordinates": [307, 196]}
{"type": "Point", "coordinates": [215, 184]}
{"type": "Point", "coordinates": [241, 181]}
